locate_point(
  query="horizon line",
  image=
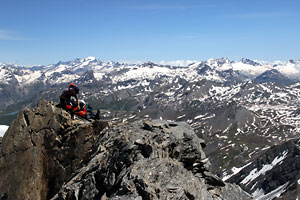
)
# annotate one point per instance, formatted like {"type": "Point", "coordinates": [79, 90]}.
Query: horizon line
{"type": "Point", "coordinates": [178, 62]}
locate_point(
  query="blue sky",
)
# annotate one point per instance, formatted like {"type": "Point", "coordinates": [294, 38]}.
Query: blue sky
{"type": "Point", "coordinates": [40, 32]}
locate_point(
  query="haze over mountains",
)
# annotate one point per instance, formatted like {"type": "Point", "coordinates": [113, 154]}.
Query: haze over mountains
{"type": "Point", "coordinates": [241, 108]}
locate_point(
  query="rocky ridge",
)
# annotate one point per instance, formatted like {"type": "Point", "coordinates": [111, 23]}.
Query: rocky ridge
{"type": "Point", "coordinates": [276, 173]}
{"type": "Point", "coordinates": [46, 155]}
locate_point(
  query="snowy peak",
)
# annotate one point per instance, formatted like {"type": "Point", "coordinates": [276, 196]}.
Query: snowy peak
{"type": "Point", "coordinates": [79, 63]}
{"type": "Point", "coordinates": [219, 70]}
{"type": "Point", "coordinates": [296, 62]}
{"type": "Point", "coordinates": [90, 58]}
{"type": "Point", "coordinates": [218, 62]}
{"type": "Point", "coordinates": [12, 74]}
{"type": "Point", "coordinates": [249, 62]}
{"type": "Point", "coordinates": [273, 76]}
{"type": "Point", "coordinates": [290, 69]}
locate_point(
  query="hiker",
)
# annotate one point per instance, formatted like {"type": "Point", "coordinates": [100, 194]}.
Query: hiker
{"type": "Point", "coordinates": [69, 98]}
{"type": "Point", "coordinates": [86, 113]}
{"type": "Point", "coordinates": [69, 101]}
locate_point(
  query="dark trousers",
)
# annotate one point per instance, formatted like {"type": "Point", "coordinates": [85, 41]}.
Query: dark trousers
{"type": "Point", "coordinates": [63, 103]}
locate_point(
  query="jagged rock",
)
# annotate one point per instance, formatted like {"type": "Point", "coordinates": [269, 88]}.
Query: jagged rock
{"type": "Point", "coordinates": [134, 163]}
{"type": "Point", "coordinates": [0, 146]}
{"type": "Point", "coordinates": [276, 172]}
{"type": "Point", "coordinates": [34, 162]}
{"type": "Point", "coordinates": [148, 125]}
{"type": "Point", "coordinates": [46, 155]}
{"type": "Point", "coordinates": [212, 179]}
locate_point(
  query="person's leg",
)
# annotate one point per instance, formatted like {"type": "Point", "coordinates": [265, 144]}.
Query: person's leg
{"type": "Point", "coordinates": [74, 104]}
{"type": "Point", "coordinates": [63, 104]}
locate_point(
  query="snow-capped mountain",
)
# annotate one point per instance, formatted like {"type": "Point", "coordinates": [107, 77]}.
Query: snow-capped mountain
{"type": "Point", "coordinates": [273, 76]}
{"type": "Point", "coordinates": [68, 71]}
{"type": "Point", "coordinates": [241, 108]}
{"type": "Point", "coordinates": [215, 80]}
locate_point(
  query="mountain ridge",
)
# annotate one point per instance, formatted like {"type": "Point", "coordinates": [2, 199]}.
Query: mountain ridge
{"type": "Point", "coordinates": [31, 82]}
{"type": "Point", "coordinates": [245, 66]}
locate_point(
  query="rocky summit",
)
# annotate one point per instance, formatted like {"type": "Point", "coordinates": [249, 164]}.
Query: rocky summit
{"type": "Point", "coordinates": [47, 155]}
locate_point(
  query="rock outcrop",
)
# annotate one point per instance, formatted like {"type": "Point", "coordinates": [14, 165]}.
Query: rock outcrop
{"type": "Point", "coordinates": [46, 155]}
{"type": "Point", "coordinates": [275, 173]}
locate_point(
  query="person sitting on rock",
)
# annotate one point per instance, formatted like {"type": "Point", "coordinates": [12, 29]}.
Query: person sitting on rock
{"type": "Point", "coordinates": [87, 113]}
{"type": "Point", "coordinates": [69, 98]}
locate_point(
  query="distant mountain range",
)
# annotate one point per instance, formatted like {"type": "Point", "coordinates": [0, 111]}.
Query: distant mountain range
{"type": "Point", "coordinates": [242, 108]}
{"type": "Point", "coordinates": [71, 70]}
{"type": "Point", "coordinates": [20, 84]}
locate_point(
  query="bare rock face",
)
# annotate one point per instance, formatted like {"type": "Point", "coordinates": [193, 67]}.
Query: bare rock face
{"type": "Point", "coordinates": [46, 155]}
{"type": "Point", "coordinates": [276, 172]}
{"type": "Point", "coordinates": [41, 149]}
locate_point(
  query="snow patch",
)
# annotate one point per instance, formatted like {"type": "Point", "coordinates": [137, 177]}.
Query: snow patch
{"type": "Point", "coordinates": [235, 170]}
{"type": "Point", "coordinates": [204, 117]}
{"type": "Point", "coordinates": [200, 116]}
{"type": "Point", "coordinates": [3, 129]}
{"type": "Point", "coordinates": [256, 173]}
{"type": "Point", "coordinates": [260, 195]}
{"type": "Point", "coordinates": [181, 116]}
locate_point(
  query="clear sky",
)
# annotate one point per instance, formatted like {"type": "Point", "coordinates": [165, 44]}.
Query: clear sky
{"type": "Point", "coordinates": [34, 32]}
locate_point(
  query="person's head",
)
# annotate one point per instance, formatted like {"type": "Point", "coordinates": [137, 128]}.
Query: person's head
{"type": "Point", "coordinates": [74, 88]}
